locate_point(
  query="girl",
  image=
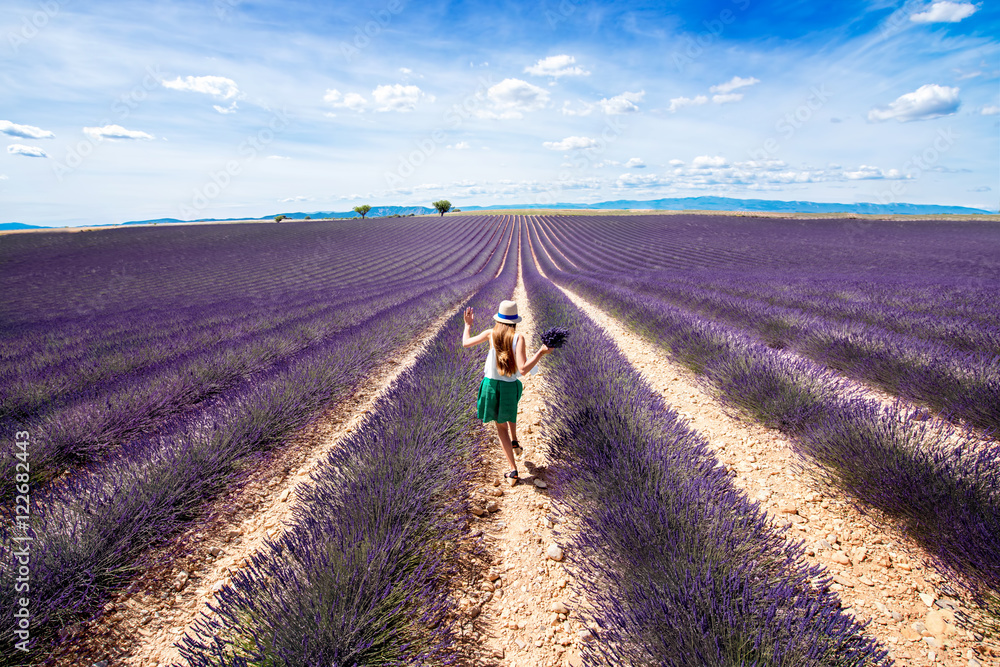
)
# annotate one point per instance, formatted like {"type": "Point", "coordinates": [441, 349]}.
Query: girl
{"type": "Point", "coordinates": [506, 362]}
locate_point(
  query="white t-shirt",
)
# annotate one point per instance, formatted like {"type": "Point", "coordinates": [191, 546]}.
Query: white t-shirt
{"type": "Point", "coordinates": [491, 371]}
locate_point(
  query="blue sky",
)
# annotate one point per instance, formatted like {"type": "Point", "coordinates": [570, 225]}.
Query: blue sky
{"type": "Point", "coordinates": [115, 111]}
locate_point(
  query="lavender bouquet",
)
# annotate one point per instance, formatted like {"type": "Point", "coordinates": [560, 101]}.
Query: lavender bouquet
{"type": "Point", "coordinates": [554, 337]}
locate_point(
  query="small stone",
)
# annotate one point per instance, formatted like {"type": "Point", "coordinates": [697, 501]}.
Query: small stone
{"type": "Point", "coordinates": [866, 581]}
{"type": "Point", "coordinates": [823, 545]}
{"type": "Point", "coordinates": [493, 576]}
{"type": "Point", "coordinates": [974, 663]}
{"type": "Point", "coordinates": [474, 611]}
{"type": "Point", "coordinates": [927, 598]}
{"type": "Point", "coordinates": [102, 663]}
{"type": "Point", "coordinates": [540, 483]}
{"type": "Point", "coordinates": [554, 552]}
{"type": "Point", "coordinates": [477, 510]}
{"type": "Point", "coordinates": [487, 586]}
{"type": "Point", "coordinates": [932, 642]}
{"type": "Point", "coordinates": [496, 492]}
{"type": "Point", "coordinates": [918, 627]}
{"type": "Point", "coordinates": [896, 616]}
{"type": "Point", "coordinates": [906, 567]}
{"type": "Point", "coordinates": [498, 653]}
{"type": "Point", "coordinates": [787, 508]}
{"type": "Point", "coordinates": [492, 506]}
{"type": "Point", "coordinates": [841, 557]}
{"type": "Point", "coordinates": [511, 481]}
{"type": "Point", "coordinates": [284, 496]}
{"type": "Point", "coordinates": [584, 635]}
{"type": "Point", "coordinates": [559, 607]}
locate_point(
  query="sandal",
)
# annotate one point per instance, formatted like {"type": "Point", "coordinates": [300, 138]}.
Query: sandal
{"type": "Point", "coordinates": [511, 475]}
{"type": "Point", "coordinates": [515, 444]}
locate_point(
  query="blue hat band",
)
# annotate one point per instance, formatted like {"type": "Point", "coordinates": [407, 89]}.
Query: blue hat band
{"type": "Point", "coordinates": [507, 317]}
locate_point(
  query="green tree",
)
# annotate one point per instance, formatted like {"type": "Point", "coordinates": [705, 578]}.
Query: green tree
{"type": "Point", "coordinates": [442, 206]}
{"type": "Point", "coordinates": [362, 210]}
{"type": "Point", "coordinates": [308, 217]}
{"type": "Point", "coordinates": [279, 218]}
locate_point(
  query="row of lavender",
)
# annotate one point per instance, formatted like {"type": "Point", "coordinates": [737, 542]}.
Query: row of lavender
{"type": "Point", "coordinates": [947, 361]}
{"type": "Point", "coordinates": [939, 487]}
{"type": "Point", "coordinates": [89, 405]}
{"type": "Point", "coordinates": [930, 336]}
{"type": "Point", "coordinates": [362, 576]}
{"type": "Point", "coordinates": [680, 566]}
{"type": "Point", "coordinates": [91, 532]}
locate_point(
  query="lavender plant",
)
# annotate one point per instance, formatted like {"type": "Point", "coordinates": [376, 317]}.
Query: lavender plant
{"type": "Point", "coordinates": [362, 577]}
{"type": "Point", "coordinates": [681, 568]}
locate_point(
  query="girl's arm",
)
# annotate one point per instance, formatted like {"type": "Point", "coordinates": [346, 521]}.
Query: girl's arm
{"type": "Point", "coordinates": [472, 341]}
{"type": "Point", "coordinates": [524, 365]}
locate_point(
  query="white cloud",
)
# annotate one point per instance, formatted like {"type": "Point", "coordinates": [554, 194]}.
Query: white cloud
{"type": "Point", "coordinates": [571, 143]}
{"type": "Point", "coordinates": [584, 110]}
{"type": "Point", "coordinates": [927, 101]}
{"type": "Point", "coordinates": [556, 66]}
{"type": "Point", "coordinates": [24, 131]}
{"type": "Point", "coordinates": [868, 172]}
{"type": "Point", "coordinates": [639, 180]}
{"type": "Point", "coordinates": [399, 97]}
{"type": "Point", "coordinates": [706, 161]}
{"type": "Point", "coordinates": [230, 109]}
{"type": "Point", "coordinates": [27, 151]}
{"type": "Point", "coordinates": [460, 146]}
{"type": "Point", "coordinates": [287, 200]}
{"type": "Point", "coordinates": [726, 98]}
{"type": "Point", "coordinates": [619, 104]}
{"type": "Point", "coordinates": [216, 86]}
{"type": "Point", "coordinates": [990, 110]}
{"type": "Point", "coordinates": [681, 102]}
{"type": "Point", "coordinates": [635, 163]}
{"type": "Point", "coordinates": [733, 84]}
{"type": "Point", "coordinates": [405, 70]}
{"type": "Point", "coordinates": [945, 12]}
{"type": "Point", "coordinates": [514, 96]}
{"type": "Point", "coordinates": [352, 101]}
{"type": "Point", "coordinates": [3, 177]}
{"type": "Point", "coordinates": [115, 132]}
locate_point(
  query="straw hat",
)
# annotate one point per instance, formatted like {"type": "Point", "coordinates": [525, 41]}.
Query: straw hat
{"type": "Point", "coordinates": [507, 313]}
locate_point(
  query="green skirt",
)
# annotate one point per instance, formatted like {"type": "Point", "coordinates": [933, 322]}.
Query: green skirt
{"type": "Point", "coordinates": [498, 400]}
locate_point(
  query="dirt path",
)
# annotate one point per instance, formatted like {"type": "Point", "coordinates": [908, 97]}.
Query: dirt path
{"type": "Point", "coordinates": [878, 577]}
{"type": "Point", "coordinates": [140, 625]}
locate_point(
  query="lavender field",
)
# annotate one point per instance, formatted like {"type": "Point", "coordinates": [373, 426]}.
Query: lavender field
{"type": "Point", "coordinates": [155, 368]}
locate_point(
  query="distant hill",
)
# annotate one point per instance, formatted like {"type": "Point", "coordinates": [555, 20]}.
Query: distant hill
{"type": "Point", "coordinates": [19, 225]}
{"type": "Point", "coordinates": [727, 204]}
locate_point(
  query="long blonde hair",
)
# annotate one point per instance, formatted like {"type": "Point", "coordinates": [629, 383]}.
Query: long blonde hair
{"type": "Point", "coordinates": [503, 343]}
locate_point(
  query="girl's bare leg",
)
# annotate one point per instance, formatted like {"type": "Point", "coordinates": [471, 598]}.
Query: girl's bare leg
{"type": "Point", "coordinates": [508, 449]}
{"type": "Point", "coordinates": [513, 430]}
